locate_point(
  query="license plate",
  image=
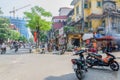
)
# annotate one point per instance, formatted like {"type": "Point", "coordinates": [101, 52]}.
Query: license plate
{"type": "Point", "coordinates": [74, 66]}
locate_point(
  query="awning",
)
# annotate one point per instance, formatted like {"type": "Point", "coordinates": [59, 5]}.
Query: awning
{"type": "Point", "coordinates": [87, 36]}
{"type": "Point", "coordinates": [106, 38]}
{"type": "Point", "coordinates": [97, 36]}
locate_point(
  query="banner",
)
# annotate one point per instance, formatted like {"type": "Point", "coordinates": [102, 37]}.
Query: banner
{"type": "Point", "coordinates": [35, 36]}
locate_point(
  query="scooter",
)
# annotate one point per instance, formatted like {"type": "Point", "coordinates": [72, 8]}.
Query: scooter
{"type": "Point", "coordinates": [16, 48]}
{"type": "Point", "coordinates": [43, 51]}
{"type": "Point", "coordinates": [94, 59]}
{"type": "Point", "coordinates": [79, 65]}
{"type": "Point", "coordinates": [3, 50]}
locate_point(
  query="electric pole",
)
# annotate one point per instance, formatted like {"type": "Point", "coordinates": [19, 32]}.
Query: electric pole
{"type": "Point", "coordinates": [83, 23]}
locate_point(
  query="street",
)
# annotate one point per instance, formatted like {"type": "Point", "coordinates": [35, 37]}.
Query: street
{"type": "Point", "coordinates": [47, 67]}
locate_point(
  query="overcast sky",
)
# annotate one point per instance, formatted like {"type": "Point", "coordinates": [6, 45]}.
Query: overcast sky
{"type": "Point", "coordinates": [50, 5]}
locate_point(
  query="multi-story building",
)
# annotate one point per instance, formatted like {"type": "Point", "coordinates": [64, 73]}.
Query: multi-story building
{"type": "Point", "coordinates": [94, 14]}
{"type": "Point", "coordinates": [91, 15]}
{"type": "Point", "coordinates": [20, 24]}
{"type": "Point", "coordinates": [63, 11]}
{"type": "Point", "coordinates": [58, 23]}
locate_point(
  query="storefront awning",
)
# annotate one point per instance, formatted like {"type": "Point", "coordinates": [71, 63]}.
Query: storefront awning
{"type": "Point", "coordinates": [87, 36]}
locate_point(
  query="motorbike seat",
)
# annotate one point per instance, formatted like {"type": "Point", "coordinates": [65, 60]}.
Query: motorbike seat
{"type": "Point", "coordinates": [80, 52]}
{"type": "Point", "coordinates": [98, 55]}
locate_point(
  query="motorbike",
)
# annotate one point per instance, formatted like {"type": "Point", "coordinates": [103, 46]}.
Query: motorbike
{"type": "Point", "coordinates": [79, 65]}
{"type": "Point", "coordinates": [3, 50]}
{"type": "Point", "coordinates": [16, 48]}
{"type": "Point", "coordinates": [94, 59]}
{"type": "Point", "coordinates": [30, 49]}
{"type": "Point", "coordinates": [42, 51]}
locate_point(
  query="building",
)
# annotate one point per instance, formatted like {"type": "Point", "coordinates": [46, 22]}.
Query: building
{"type": "Point", "coordinates": [57, 32]}
{"type": "Point", "coordinates": [20, 25]}
{"type": "Point", "coordinates": [63, 11]}
{"type": "Point", "coordinates": [91, 15]}
{"type": "Point", "coordinates": [58, 23]}
{"type": "Point", "coordinates": [13, 27]}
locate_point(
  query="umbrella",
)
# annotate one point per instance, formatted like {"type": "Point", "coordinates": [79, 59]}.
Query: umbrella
{"type": "Point", "coordinates": [106, 38]}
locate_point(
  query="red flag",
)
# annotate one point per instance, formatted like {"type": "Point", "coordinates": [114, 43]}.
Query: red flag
{"type": "Point", "coordinates": [35, 36]}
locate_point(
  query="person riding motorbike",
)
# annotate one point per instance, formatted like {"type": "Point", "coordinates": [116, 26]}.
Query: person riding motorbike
{"type": "Point", "coordinates": [16, 46]}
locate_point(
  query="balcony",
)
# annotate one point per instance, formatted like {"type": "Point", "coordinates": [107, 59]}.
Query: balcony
{"type": "Point", "coordinates": [69, 20]}
{"type": "Point", "coordinates": [72, 30]}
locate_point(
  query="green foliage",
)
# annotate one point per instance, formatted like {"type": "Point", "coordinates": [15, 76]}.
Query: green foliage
{"type": "Point", "coordinates": [4, 28]}
{"type": "Point", "coordinates": [43, 37]}
{"type": "Point", "coordinates": [69, 29]}
{"type": "Point", "coordinates": [22, 38]}
{"type": "Point", "coordinates": [6, 32]}
{"type": "Point", "coordinates": [31, 40]}
{"type": "Point", "coordinates": [35, 20]}
{"type": "Point", "coordinates": [14, 35]}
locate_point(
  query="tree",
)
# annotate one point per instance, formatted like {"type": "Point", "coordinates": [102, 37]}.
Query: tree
{"type": "Point", "coordinates": [4, 29]}
{"type": "Point", "coordinates": [22, 38]}
{"type": "Point", "coordinates": [31, 40]}
{"type": "Point", "coordinates": [36, 21]}
{"type": "Point", "coordinates": [43, 36]}
{"type": "Point", "coordinates": [14, 35]}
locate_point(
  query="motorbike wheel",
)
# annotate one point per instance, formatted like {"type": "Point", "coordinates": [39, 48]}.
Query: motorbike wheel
{"type": "Point", "coordinates": [78, 74]}
{"type": "Point", "coordinates": [114, 66]}
{"type": "Point", "coordinates": [89, 59]}
{"type": "Point", "coordinates": [30, 50]}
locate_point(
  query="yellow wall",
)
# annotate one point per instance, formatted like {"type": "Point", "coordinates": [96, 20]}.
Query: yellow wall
{"type": "Point", "coordinates": [88, 11]}
{"type": "Point", "coordinates": [94, 8]}
{"type": "Point", "coordinates": [78, 4]}
{"type": "Point", "coordinates": [96, 23]}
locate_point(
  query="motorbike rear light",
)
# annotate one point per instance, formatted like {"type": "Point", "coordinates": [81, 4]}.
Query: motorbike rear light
{"type": "Point", "coordinates": [73, 61]}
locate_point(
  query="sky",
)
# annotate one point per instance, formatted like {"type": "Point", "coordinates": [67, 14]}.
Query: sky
{"type": "Point", "coordinates": [49, 5]}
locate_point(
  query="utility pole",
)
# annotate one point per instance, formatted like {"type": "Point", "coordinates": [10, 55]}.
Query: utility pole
{"type": "Point", "coordinates": [83, 23]}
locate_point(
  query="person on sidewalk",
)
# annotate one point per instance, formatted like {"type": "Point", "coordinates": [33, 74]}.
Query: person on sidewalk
{"type": "Point", "coordinates": [3, 48]}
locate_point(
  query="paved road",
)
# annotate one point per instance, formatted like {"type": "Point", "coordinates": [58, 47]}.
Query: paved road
{"type": "Point", "coordinates": [47, 67]}
{"type": "Point", "coordinates": [20, 51]}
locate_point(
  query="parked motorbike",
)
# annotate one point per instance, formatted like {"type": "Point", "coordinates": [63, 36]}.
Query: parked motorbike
{"type": "Point", "coordinates": [79, 65]}
{"type": "Point", "coordinates": [30, 49]}
{"type": "Point", "coordinates": [3, 50]}
{"type": "Point", "coordinates": [42, 51]}
{"type": "Point", "coordinates": [16, 49]}
{"type": "Point", "coordinates": [94, 59]}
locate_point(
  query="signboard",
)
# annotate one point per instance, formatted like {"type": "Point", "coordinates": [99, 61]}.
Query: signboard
{"type": "Point", "coordinates": [61, 31]}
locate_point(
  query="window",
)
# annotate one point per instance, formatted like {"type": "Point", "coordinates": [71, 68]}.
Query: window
{"type": "Point", "coordinates": [90, 5]}
{"type": "Point", "coordinates": [99, 4]}
{"type": "Point", "coordinates": [77, 10]}
{"type": "Point", "coordinates": [90, 24]}
{"type": "Point", "coordinates": [86, 24]}
{"type": "Point", "coordinates": [85, 5]}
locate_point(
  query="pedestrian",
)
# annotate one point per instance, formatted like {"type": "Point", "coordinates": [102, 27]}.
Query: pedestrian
{"type": "Point", "coordinates": [3, 48]}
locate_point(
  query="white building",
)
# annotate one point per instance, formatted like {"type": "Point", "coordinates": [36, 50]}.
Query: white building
{"type": "Point", "coordinates": [63, 11]}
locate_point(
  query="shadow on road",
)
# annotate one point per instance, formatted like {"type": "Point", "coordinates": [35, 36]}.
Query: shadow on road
{"type": "Point", "coordinates": [92, 74]}
{"type": "Point", "coordinates": [70, 76]}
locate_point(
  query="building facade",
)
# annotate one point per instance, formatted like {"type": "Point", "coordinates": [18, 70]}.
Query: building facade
{"type": "Point", "coordinates": [95, 14]}
{"type": "Point", "coordinates": [63, 11]}
{"type": "Point", "coordinates": [20, 24]}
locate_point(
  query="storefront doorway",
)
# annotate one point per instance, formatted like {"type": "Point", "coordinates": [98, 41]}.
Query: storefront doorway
{"type": "Point", "coordinates": [76, 42]}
